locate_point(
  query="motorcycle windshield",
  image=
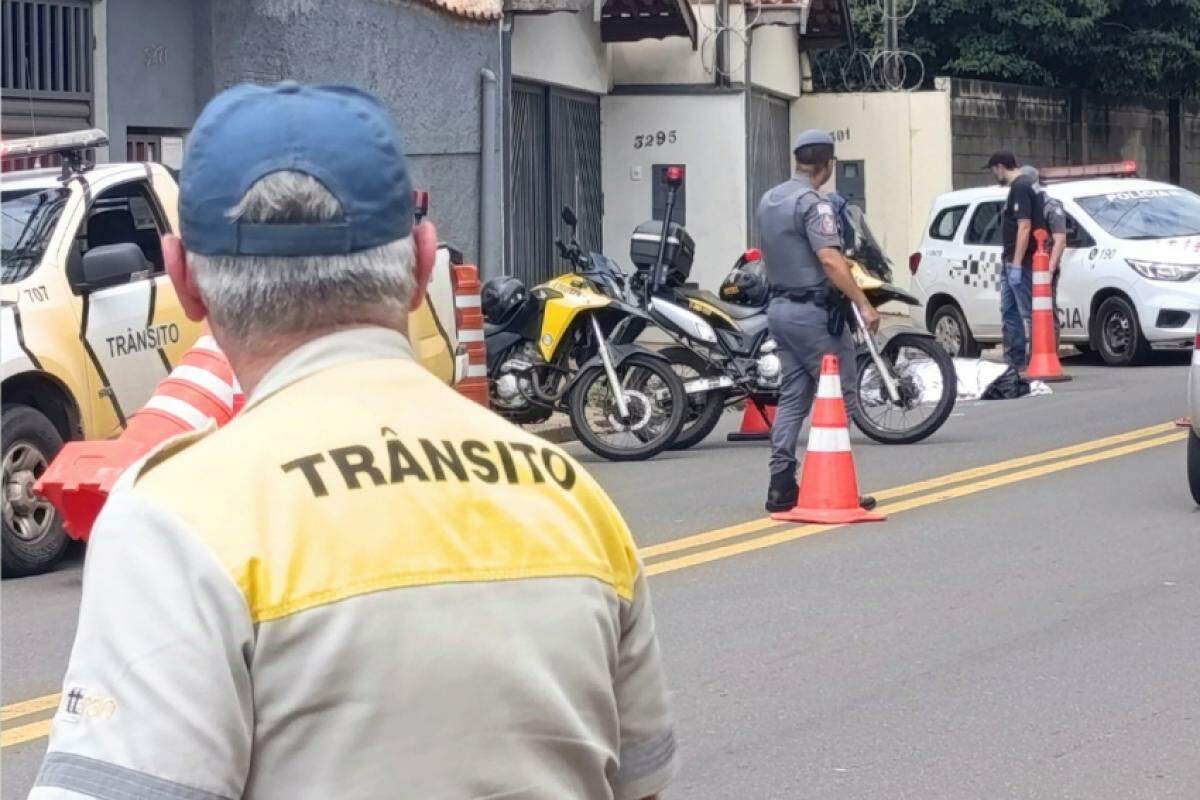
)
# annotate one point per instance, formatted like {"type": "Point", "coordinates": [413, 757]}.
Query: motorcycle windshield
{"type": "Point", "coordinates": [863, 247]}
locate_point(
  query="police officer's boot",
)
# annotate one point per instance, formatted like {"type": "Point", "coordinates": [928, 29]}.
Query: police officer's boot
{"type": "Point", "coordinates": [783, 492]}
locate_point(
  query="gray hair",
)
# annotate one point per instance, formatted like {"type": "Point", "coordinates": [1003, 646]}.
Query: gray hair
{"type": "Point", "coordinates": [272, 295]}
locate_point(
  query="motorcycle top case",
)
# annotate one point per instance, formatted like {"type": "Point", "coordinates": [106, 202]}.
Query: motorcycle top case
{"type": "Point", "coordinates": [677, 260]}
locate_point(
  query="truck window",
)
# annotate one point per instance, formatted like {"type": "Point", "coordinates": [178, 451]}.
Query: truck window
{"type": "Point", "coordinates": [985, 224]}
{"type": "Point", "coordinates": [29, 218]}
{"type": "Point", "coordinates": [945, 225]}
{"type": "Point", "coordinates": [124, 213]}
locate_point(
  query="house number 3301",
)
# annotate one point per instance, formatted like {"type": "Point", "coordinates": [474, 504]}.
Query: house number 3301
{"type": "Point", "coordinates": [656, 139]}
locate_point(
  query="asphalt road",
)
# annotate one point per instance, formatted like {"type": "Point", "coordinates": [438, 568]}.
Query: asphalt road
{"type": "Point", "coordinates": [1028, 627]}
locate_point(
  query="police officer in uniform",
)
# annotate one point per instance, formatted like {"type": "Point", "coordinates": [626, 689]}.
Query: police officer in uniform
{"type": "Point", "coordinates": [811, 285]}
{"type": "Point", "coordinates": [1056, 222]}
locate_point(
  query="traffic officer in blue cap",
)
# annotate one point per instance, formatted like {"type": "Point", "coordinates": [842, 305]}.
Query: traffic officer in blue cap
{"type": "Point", "coordinates": [344, 591]}
{"type": "Point", "coordinates": [811, 283]}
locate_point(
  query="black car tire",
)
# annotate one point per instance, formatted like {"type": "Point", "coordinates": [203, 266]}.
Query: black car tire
{"type": "Point", "coordinates": [702, 417]}
{"type": "Point", "coordinates": [1118, 334]}
{"type": "Point", "coordinates": [1193, 468]}
{"type": "Point", "coordinates": [949, 317]}
{"type": "Point", "coordinates": [32, 439]}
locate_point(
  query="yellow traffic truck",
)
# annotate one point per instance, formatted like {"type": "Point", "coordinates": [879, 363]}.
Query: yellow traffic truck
{"type": "Point", "coordinates": [81, 348]}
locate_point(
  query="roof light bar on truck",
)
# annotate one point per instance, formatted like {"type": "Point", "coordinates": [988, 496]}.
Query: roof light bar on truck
{"type": "Point", "coordinates": [69, 146]}
{"type": "Point", "coordinates": [1115, 169]}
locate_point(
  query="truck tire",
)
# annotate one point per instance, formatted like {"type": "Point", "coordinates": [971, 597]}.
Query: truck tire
{"type": "Point", "coordinates": [1118, 334]}
{"type": "Point", "coordinates": [33, 538]}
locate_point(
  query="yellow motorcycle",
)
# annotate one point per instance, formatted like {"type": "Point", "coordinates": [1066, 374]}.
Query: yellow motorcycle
{"type": "Point", "coordinates": [568, 345]}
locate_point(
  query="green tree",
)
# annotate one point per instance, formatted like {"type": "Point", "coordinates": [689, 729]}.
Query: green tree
{"type": "Point", "coordinates": [1111, 46]}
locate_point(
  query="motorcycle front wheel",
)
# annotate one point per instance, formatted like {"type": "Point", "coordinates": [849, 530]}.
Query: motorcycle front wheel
{"type": "Point", "coordinates": [655, 401]}
{"type": "Point", "coordinates": [704, 409]}
{"type": "Point", "coordinates": [927, 383]}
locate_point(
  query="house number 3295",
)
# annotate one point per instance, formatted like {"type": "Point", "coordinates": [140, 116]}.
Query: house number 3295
{"type": "Point", "coordinates": [655, 139]}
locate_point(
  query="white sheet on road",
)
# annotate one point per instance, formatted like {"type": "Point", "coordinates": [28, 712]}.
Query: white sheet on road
{"type": "Point", "coordinates": [975, 375]}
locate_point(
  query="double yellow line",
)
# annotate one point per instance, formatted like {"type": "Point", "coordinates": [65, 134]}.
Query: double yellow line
{"type": "Point", "coordinates": [769, 532]}
{"type": "Point", "coordinates": [758, 534]}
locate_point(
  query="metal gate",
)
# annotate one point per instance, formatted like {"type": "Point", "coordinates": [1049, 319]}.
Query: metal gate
{"type": "Point", "coordinates": [45, 66]}
{"type": "Point", "coordinates": [770, 159]}
{"type": "Point", "coordinates": [555, 162]}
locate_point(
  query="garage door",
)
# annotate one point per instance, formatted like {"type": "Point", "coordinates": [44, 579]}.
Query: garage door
{"type": "Point", "coordinates": [770, 161]}
{"type": "Point", "coordinates": [45, 66]}
{"type": "Point", "coordinates": [555, 162]}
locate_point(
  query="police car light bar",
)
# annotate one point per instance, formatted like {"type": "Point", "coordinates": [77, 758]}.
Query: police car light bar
{"type": "Point", "coordinates": [55, 143]}
{"type": "Point", "coordinates": [1116, 169]}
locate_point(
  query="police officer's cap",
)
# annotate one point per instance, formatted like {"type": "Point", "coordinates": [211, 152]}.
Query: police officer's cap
{"type": "Point", "coordinates": [813, 147]}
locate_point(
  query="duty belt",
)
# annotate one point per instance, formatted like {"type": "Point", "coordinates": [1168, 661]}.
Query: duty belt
{"type": "Point", "coordinates": [819, 297]}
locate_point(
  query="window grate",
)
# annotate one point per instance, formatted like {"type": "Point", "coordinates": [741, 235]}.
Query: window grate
{"type": "Point", "coordinates": [47, 47]}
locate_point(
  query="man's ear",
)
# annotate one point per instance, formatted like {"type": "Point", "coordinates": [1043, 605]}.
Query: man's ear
{"type": "Point", "coordinates": [425, 247]}
{"type": "Point", "coordinates": [182, 278]}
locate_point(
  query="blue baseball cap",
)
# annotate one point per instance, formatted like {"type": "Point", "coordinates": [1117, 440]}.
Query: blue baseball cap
{"type": "Point", "coordinates": [341, 136]}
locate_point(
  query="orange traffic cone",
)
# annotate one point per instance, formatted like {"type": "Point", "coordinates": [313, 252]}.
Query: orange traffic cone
{"type": "Point", "coordinates": [828, 483]}
{"type": "Point", "coordinates": [757, 420]}
{"type": "Point", "coordinates": [1043, 363]}
{"type": "Point", "coordinates": [202, 389]}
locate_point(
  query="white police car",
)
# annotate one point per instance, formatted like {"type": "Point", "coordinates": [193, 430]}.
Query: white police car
{"type": "Point", "coordinates": [1130, 275]}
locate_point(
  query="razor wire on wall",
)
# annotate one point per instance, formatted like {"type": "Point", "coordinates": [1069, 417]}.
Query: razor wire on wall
{"type": "Point", "coordinates": [884, 68]}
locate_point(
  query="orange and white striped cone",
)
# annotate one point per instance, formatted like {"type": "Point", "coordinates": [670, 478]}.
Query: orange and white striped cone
{"type": "Point", "coordinates": [202, 390]}
{"type": "Point", "coordinates": [468, 314]}
{"type": "Point", "coordinates": [828, 482]}
{"type": "Point", "coordinates": [757, 419]}
{"type": "Point", "coordinates": [1043, 361]}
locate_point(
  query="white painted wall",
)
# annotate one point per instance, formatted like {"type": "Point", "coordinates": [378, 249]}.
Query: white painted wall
{"type": "Point", "coordinates": [710, 143]}
{"type": "Point", "coordinates": [775, 57]}
{"type": "Point", "coordinates": [775, 60]}
{"type": "Point", "coordinates": [903, 139]}
{"type": "Point", "coordinates": [563, 49]}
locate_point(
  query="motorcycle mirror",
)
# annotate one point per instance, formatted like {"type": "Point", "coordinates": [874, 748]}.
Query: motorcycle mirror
{"type": "Point", "coordinates": [568, 216]}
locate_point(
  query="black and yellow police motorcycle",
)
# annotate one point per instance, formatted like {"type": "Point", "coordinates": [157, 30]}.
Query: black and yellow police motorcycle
{"type": "Point", "coordinates": [568, 345]}
{"type": "Point", "coordinates": [907, 385]}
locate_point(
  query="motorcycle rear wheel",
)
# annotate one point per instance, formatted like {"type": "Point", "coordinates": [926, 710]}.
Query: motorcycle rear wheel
{"type": "Point", "coordinates": [704, 411]}
{"type": "Point", "coordinates": [905, 344]}
{"type": "Point", "coordinates": [653, 427]}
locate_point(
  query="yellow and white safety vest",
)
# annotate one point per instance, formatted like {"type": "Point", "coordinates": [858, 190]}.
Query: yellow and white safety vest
{"type": "Point", "coordinates": [364, 586]}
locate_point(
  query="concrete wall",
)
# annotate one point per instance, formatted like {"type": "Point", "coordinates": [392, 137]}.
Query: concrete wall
{"type": "Point", "coordinates": [1048, 127]}
{"type": "Point", "coordinates": [715, 158]}
{"type": "Point", "coordinates": [1191, 146]}
{"type": "Point", "coordinates": [562, 49]}
{"type": "Point", "coordinates": [424, 64]}
{"type": "Point", "coordinates": [903, 140]}
{"type": "Point", "coordinates": [150, 63]}
{"type": "Point", "coordinates": [1034, 123]}
{"type": "Point", "coordinates": [775, 60]}
{"type": "Point", "coordinates": [1120, 128]}
{"type": "Point", "coordinates": [775, 57]}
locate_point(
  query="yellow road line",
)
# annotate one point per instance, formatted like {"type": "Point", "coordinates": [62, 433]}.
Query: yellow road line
{"type": "Point", "coordinates": [25, 733]}
{"type": "Point", "coordinates": [754, 526]}
{"type": "Point", "coordinates": [790, 534]}
{"type": "Point", "coordinates": [29, 707]}
{"type": "Point", "coordinates": [36, 730]}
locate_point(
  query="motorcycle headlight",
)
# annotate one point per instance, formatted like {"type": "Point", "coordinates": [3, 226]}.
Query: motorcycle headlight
{"type": "Point", "coordinates": [1157, 271]}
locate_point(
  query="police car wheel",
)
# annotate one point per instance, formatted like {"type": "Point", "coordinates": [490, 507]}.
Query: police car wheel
{"type": "Point", "coordinates": [1118, 334]}
{"type": "Point", "coordinates": [33, 538]}
{"type": "Point", "coordinates": [1193, 470]}
{"type": "Point", "coordinates": [952, 332]}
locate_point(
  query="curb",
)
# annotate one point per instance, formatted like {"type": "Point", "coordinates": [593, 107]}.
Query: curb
{"type": "Point", "coordinates": [556, 430]}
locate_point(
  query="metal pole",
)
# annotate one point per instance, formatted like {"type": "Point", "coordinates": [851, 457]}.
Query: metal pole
{"type": "Point", "coordinates": [489, 207]}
